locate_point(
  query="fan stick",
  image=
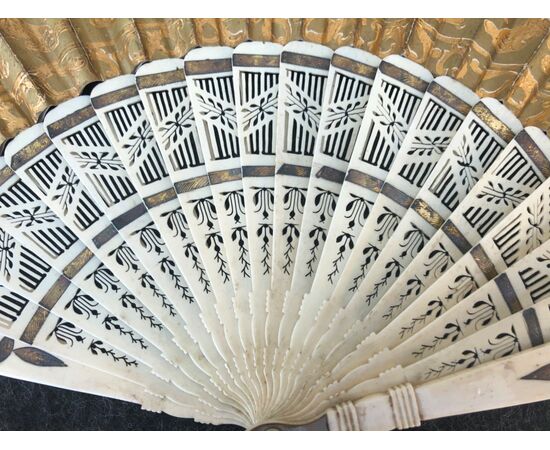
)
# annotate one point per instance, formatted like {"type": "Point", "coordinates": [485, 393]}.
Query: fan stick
{"type": "Point", "coordinates": [256, 80]}
{"type": "Point", "coordinates": [120, 110]}
{"type": "Point", "coordinates": [209, 74]}
{"type": "Point", "coordinates": [164, 92]}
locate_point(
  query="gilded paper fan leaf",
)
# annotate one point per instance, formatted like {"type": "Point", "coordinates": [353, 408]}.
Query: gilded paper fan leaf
{"type": "Point", "coordinates": [320, 223]}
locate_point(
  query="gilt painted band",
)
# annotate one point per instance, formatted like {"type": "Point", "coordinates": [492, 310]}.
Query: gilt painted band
{"type": "Point", "coordinates": [160, 198]}
{"type": "Point", "coordinates": [208, 66]}
{"type": "Point", "coordinates": [484, 262]}
{"type": "Point", "coordinates": [294, 170]}
{"type": "Point", "coordinates": [30, 151]}
{"type": "Point", "coordinates": [129, 216]}
{"type": "Point", "coordinates": [224, 176]}
{"type": "Point", "coordinates": [191, 184]}
{"type": "Point", "coordinates": [258, 171]}
{"type": "Point", "coordinates": [364, 180]}
{"type": "Point", "coordinates": [456, 236]}
{"type": "Point", "coordinates": [533, 327]}
{"type": "Point", "coordinates": [102, 101]}
{"type": "Point", "coordinates": [403, 76]}
{"type": "Point", "coordinates": [160, 79]}
{"type": "Point", "coordinates": [70, 121]}
{"type": "Point", "coordinates": [331, 174]}
{"type": "Point", "coordinates": [448, 98]}
{"type": "Point", "coordinates": [242, 60]}
{"type": "Point", "coordinates": [34, 326]}
{"type": "Point", "coordinates": [427, 213]}
{"type": "Point", "coordinates": [55, 292]}
{"type": "Point", "coordinates": [534, 152]}
{"type": "Point", "coordinates": [493, 122]}
{"type": "Point", "coordinates": [508, 293]}
{"type": "Point", "coordinates": [6, 173]}
{"type": "Point", "coordinates": [356, 67]}
{"type": "Point", "coordinates": [104, 236]}
{"type": "Point", "coordinates": [397, 195]}
{"type": "Point", "coordinates": [298, 59]}
{"type": "Point", "coordinates": [78, 263]}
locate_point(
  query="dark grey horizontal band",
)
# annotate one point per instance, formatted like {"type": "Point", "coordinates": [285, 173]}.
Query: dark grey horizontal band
{"type": "Point", "coordinates": [55, 292]}
{"type": "Point", "coordinates": [258, 171]}
{"type": "Point", "coordinates": [483, 262]}
{"type": "Point", "coordinates": [110, 98]}
{"type": "Point", "coordinates": [294, 170]}
{"type": "Point", "coordinates": [493, 122]}
{"type": "Point", "coordinates": [508, 293]}
{"type": "Point", "coordinates": [242, 60]}
{"type": "Point", "coordinates": [298, 59]}
{"type": "Point", "coordinates": [397, 195]}
{"type": "Point", "coordinates": [533, 327]}
{"type": "Point", "coordinates": [191, 184]}
{"type": "Point", "coordinates": [160, 198]}
{"type": "Point", "coordinates": [331, 174]}
{"type": "Point", "coordinates": [30, 151]}
{"type": "Point", "coordinates": [105, 236]}
{"type": "Point", "coordinates": [72, 120]}
{"type": "Point", "coordinates": [224, 176]}
{"type": "Point", "coordinates": [456, 237]}
{"type": "Point", "coordinates": [208, 66]}
{"type": "Point", "coordinates": [129, 216]}
{"type": "Point", "coordinates": [160, 79]}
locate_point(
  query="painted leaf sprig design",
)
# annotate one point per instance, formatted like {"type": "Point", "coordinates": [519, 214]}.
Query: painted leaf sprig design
{"type": "Point", "coordinates": [318, 236]}
{"type": "Point", "coordinates": [497, 193]}
{"type": "Point", "coordinates": [263, 198]}
{"type": "Point", "coordinates": [290, 233]}
{"type": "Point", "coordinates": [104, 279]}
{"type": "Point", "coordinates": [294, 200]}
{"type": "Point", "coordinates": [177, 222]}
{"type": "Point", "coordinates": [413, 287]}
{"type": "Point", "coordinates": [325, 204]}
{"type": "Point", "coordinates": [346, 243]}
{"type": "Point", "coordinates": [340, 115]}
{"type": "Point", "coordinates": [215, 110]}
{"type": "Point", "coordinates": [205, 211]}
{"type": "Point", "coordinates": [504, 344]}
{"type": "Point", "coordinates": [265, 232]}
{"type": "Point", "coordinates": [357, 210]}
{"type": "Point", "coordinates": [65, 189]}
{"type": "Point", "coordinates": [427, 145]}
{"type": "Point", "coordinates": [463, 285]}
{"type": "Point", "coordinates": [465, 160]}
{"type": "Point", "coordinates": [389, 119]}
{"type": "Point", "coordinates": [112, 323]}
{"type": "Point", "coordinates": [258, 111]}
{"type": "Point", "coordinates": [535, 229]}
{"type": "Point", "coordinates": [66, 333]}
{"type": "Point", "coordinates": [452, 331]}
{"type": "Point", "coordinates": [83, 305]}
{"type": "Point", "coordinates": [146, 281]}
{"type": "Point", "coordinates": [439, 260]}
{"type": "Point", "coordinates": [138, 141]}
{"type": "Point", "coordinates": [127, 300]}
{"type": "Point", "coordinates": [234, 204]}
{"type": "Point", "coordinates": [298, 103]}
{"type": "Point", "coordinates": [214, 241]}
{"type": "Point", "coordinates": [240, 236]}
{"type": "Point", "coordinates": [191, 252]}
{"type": "Point", "coordinates": [393, 270]}
{"type": "Point", "coordinates": [99, 160]}
{"type": "Point", "coordinates": [414, 241]}
{"type": "Point", "coordinates": [386, 224]}
{"type": "Point", "coordinates": [150, 238]}
{"type": "Point", "coordinates": [177, 127]}
{"type": "Point", "coordinates": [97, 348]}
{"type": "Point", "coordinates": [124, 256]}
{"type": "Point", "coordinates": [434, 309]}
{"type": "Point", "coordinates": [33, 216]}
{"type": "Point", "coordinates": [7, 247]}
{"type": "Point", "coordinates": [370, 253]}
{"type": "Point", "coordinates": [168, 266]}
{"type": "Point", "coordinates": [482, 313]}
